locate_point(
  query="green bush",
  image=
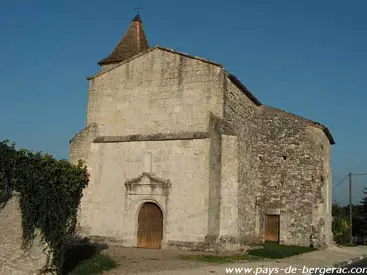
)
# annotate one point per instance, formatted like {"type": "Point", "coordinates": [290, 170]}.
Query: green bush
{"type": "Point", "coordinates": [340, 230]}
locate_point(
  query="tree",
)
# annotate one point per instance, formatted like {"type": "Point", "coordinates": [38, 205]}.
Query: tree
{"type": "Point", "coordinates": [340, 225]}
{"type": "Point", "coordinates": [364, 213]}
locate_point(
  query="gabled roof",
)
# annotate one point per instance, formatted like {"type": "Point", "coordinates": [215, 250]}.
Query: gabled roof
{"type": "Point", "coordinates": [230, 76]}
{"type": "Point", "coordinates": [117, 64]}
{"type": "Point", "coordinates": [133, 43]}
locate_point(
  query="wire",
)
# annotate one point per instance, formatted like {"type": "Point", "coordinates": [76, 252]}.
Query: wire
{"type": "Point", "coordinates": [363, 174]}
{"type": "Point", "coordinates": [340, 182]}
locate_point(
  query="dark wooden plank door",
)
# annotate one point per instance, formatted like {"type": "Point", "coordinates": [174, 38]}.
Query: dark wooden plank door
{"type": "Point", "coordinates": [150, 226]}
{"type": "Point", "coordinates": [272, 228]}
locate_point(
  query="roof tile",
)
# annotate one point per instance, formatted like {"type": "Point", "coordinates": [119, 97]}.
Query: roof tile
{"type": "Point", "coordinates": [133, 43]}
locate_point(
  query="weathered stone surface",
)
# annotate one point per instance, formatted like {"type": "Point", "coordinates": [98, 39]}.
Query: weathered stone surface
{"type": "Point", "coordinates": [14, 260]}
{"type": "Point", "coordinates": [284, 165]}
{"type": "Point", "coordinates": [80, 143]}
{"type": "Point", "coordinates": [156, 137]}
{"type": "Point", "coordinates": [229, 159]}
{"type": "Point", "coordinates": [158, 92]}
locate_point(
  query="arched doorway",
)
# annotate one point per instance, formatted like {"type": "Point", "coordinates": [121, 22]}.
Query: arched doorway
{"type": "Point", "coordinates": [150, 226]}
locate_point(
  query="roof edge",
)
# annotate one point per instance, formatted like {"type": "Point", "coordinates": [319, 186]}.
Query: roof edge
{"type": "Point", "coordinates": [230, 76]}
{"type": "Point", "coordinates": [310, 122]}
{"type": "Point", "coordinates": [118, 64]}
{"type": "Point", "coordinates": [325, 129]}
{"type": "Point", "coordinates": [152, 49]}
{"type": "Point", "coordinates": [189, 56]}
{"type": "Point", "coordinates": [242, 88]}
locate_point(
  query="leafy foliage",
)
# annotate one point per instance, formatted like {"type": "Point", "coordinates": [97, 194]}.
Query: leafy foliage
{"type": "Point", "coordinates": [49, 195]}
{"type": "Point", "coordinates": [340, 225]}
{"type": "Point", "coordinates": [364, 213]}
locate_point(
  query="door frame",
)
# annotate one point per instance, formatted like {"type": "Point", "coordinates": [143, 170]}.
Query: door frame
{"type": "Point", "coordinates": [136, 214]}
{"type": "Point", "coordinates": [265, 223]}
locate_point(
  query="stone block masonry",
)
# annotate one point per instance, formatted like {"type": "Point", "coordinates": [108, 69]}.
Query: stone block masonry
{"type": "Point", "coordinates": [14, 260]}
{"type": "Point", "coordinates": [211, 156]}
{"type": "Point", "coordinates": [284, 166]}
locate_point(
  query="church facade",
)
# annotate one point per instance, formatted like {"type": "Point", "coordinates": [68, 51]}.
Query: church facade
{"type": "Point", "coordinates": [181, 154]}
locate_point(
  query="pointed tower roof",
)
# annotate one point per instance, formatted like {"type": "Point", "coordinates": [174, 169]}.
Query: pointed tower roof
{"type": "Point", "coordinates": [133, 42]}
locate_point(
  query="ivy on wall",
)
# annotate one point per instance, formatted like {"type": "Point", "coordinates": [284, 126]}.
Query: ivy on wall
{"type": "Point", "coordinates": [49, 191]}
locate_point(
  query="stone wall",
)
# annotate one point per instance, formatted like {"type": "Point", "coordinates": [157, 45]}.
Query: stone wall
{"type": "Point", "coordinates": [243, 116]}
{"type": "Point", "coordinates": [14, 260]}
{"type": "Point", "coordinates": [110, 207]}
{"type": "Point", "coordinates": [284, 167]}
{"type": "Point", "coordinates": [292, 171]}
{"type": "Point", "coordinates": [81, 143]}
{"type": "Point", "coordinates": [159, 107]}
{"type": "Point", "coordinates": [157, 92]}
{"type": "Point", "coordinates": [162, 101]}
{"type": "Point", "coordinates": [228, 226]}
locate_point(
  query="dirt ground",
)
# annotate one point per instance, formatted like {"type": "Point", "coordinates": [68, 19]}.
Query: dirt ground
{"type": "Point", "coordinates": [137, 260]}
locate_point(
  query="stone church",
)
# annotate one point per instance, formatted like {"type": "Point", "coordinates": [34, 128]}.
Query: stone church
{"type": "Point", "coordinates": [181, 154]}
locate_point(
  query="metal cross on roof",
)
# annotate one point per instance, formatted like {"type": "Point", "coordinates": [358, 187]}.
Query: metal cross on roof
{"type": "Point", "coordinates": [138, 9]}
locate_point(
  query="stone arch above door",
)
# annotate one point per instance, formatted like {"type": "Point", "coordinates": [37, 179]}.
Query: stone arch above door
{"type": "Point", "coordinates": [145, 188]}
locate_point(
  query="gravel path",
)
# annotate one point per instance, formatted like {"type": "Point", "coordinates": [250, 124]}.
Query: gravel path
{"type": "Point", "coordinates": [137, 261]}
{"type": "Point", "coordinates": [167, 262]}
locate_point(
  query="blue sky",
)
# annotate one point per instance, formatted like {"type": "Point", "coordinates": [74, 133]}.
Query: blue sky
{"type": "Point", "coordinates": [307, 57]}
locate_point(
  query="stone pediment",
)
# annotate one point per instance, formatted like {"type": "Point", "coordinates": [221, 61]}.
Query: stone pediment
{"type": "Point", "coordinates": [147, 184]}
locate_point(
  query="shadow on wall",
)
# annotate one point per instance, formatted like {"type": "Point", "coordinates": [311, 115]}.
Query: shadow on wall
{"type": "Point", "coordinates": [79, 251]}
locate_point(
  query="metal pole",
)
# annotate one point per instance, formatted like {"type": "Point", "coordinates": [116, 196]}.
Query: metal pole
{"type": "Point", "coordinates": [350, 210]}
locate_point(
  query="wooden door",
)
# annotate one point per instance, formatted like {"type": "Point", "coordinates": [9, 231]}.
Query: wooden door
{"type": "Point", "coordinates": [272, 228]}
{"type": "Point", "coordinates": [150, 226]}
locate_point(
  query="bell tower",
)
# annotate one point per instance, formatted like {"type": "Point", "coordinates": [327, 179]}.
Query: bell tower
{"type": "Point", "coordinates": [132, 43]}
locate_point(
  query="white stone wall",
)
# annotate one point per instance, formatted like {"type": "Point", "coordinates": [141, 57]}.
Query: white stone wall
{"type": "Point", "coordinates": [13, 259]}
{"type": "Point", "coordinates": [229, 187]}
{"type": "Point", "coordinates": [161, 92]}
{"type": "Point", "coordinates": [108, 211]}
{"type": "Point", "coordinates": [229, 227]}
{"type": "Point", "coordinates": [80, 144]}
{"type": "Point", "coordinates": [158, 92]}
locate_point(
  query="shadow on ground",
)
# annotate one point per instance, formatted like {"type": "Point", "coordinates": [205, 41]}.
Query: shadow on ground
{"type": "Point", "coordinates": [79, 251]}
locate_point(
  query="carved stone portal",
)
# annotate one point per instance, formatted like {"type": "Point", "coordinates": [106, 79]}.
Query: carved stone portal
{"type": "Point", "coordinates": [147, 184]}
{"type": "Point", "coordinates": [140, 190]}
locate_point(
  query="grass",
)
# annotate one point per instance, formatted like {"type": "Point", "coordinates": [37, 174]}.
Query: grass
{"type": "Point", "coordinates": [95, 265]}
{"type": "Point", "coordinates": [220, 259]}
{"type": "Point", "coordinates": [279, 251]}
{"type": "Point", "coordinates": [348, 244]}
{"type": "Point", "coordinates": [267, 251]}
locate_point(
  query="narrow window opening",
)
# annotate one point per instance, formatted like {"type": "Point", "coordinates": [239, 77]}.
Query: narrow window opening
{"type": "Point", "coordinates": [284, 157]}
